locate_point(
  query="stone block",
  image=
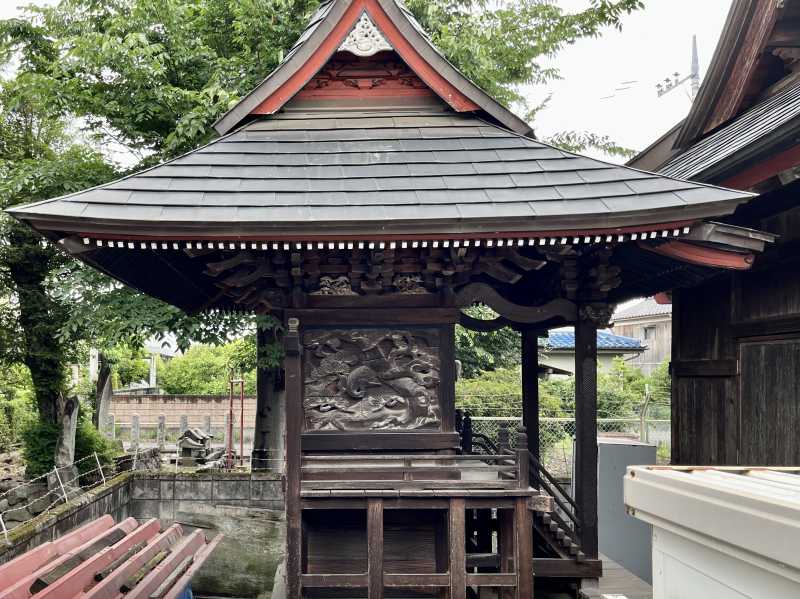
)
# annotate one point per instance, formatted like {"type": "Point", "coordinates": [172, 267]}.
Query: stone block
{"type": "Point", "coordinates": [231, 489]}
{"type": "Point", "coordinates": [266, 490]}
{"type": "Point", "coordinates": [167, 489]}
{"type": "Point", "coordinates": [194, 489]}
{"type": "Point", "coordinates": [145, 488]}
{"type": "Point", "coordinates": [143, 509]}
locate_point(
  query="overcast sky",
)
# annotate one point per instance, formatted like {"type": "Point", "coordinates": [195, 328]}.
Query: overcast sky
{"type": "Point", "coordinates": [653, 44]}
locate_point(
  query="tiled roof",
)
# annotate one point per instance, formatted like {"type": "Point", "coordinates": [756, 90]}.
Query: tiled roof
{"type": "Point", "coordinates": [351, 172]}
{"type": "Point", "coordinates": [642, 308]}
{"type": "Point", "coordinates": [564, 339]}
{"type": "Point", "coordinates": [770, 118]}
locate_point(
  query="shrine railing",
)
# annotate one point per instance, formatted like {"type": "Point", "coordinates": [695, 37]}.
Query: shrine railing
{"type": "Point", "coordinates": [498, 470]}
{"type": "Point", "coordinates": [475, 443]}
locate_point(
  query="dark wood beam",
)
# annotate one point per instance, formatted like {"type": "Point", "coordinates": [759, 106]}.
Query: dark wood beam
{"type": "Point", "coordinates": [482, 293]}
{"type": "Point", "coordinates": [294, 415]}
{"type": "Point", "coordinates": [375, 548]}
{"type": "Point", "coordinates": [705, 368]}
{"type": "Point", "coordinates": [544, 567]}
{"type": "Point", "coordinates": [483, 326]}
{"type": "Point", "coordinates": [586, 431]}
{"type": "Point", "coordinates": [530, 389]}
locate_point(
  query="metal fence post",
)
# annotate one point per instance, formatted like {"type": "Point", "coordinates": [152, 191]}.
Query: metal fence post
{"type": "Point", "coordinates": [61, 484]}
{"type": "Point", "coordinates": [643, 415]}
{"type": "Point", "coordinates": [102, 474]}
{"type": "Point", "coordinates": [5, 530]}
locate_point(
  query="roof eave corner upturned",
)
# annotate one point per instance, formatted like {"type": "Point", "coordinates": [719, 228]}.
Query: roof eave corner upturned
{"type": "Point", "coordinates": [235, 116]}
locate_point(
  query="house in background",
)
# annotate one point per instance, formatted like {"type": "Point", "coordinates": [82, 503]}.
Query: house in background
{"type": "Point", "coordinates": [651, 323]}
{"type": "Point", "coordinates": [558, 350]}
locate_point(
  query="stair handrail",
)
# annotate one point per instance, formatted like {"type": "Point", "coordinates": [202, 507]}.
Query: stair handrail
{"type": "Point", "coordinates": [560, 497]}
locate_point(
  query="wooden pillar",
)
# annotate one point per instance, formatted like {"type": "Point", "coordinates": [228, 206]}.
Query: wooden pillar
{"type": "Point", "coordinates": [458, 553]}
{"type": "Point", "coordinates": [505, 547]}
{"type": "Point", "coordinates": [585, 483]}
{"type": "Point", "coordinates": [268, 396]}
{"type": "Point", "coordinates": [375, 548]}
{"type": "Point", "coordinates": [530, 388]}
{"type": "Point", "coordinates": [524, 554]}
{"type": "Point", "coordinates": [294, 415]}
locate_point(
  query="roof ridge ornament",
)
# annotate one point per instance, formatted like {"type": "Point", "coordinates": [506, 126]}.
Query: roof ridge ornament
{"type": "Point", "coordinates": [365, 39]}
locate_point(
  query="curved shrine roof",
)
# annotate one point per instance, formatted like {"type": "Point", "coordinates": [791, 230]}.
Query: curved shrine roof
{"type": "Point", "coordinates": [365, 175]}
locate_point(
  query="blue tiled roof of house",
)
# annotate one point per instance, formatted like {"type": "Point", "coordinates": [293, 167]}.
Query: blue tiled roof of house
{"type": "Point", "coordinates": [564, 339]}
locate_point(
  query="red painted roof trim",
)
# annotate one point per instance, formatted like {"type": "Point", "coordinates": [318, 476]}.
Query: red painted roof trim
{"type": "Point", "coordinates": [772, 166]}
{"type": "Point", "coordinates": [700, 255]}
{"type": "Point", "coordinates": [443, 88]}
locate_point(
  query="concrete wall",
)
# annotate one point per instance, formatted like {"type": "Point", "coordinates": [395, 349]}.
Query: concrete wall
{"type": "Point", "coordinates": [248, 510]}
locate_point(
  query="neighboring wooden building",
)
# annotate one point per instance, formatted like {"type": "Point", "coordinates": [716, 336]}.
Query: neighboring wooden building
{"type": "Point", "coordinates": [736, 337]}
{"type": "Point", "coordinates": [651, 323]}
{"type": "Point", "coordinates": [364, 194]}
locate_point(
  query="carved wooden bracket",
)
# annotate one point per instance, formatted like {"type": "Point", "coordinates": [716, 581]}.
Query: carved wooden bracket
{"type": "Point", "coordinates": [516, 313]}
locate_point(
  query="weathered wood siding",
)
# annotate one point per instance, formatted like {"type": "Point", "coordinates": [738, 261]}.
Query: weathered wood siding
{"type": "Point", "coordinates": [736, 364]}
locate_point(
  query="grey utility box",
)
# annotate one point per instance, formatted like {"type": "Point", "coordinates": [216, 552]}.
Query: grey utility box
{"type": "Point", "coordinates": [624, 539]}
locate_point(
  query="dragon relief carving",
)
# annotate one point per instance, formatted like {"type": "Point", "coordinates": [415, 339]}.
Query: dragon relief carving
{"type": "Point", "coordinates": [371, 380]}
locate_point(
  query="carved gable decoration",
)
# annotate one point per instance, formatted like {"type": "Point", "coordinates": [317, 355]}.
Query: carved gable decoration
{"type": "Point", "coordinates": [351, 76]}
{"type": "Point", "coordinates": [376, 379]}
{"type": "Point", "coordinates": [365, 39]}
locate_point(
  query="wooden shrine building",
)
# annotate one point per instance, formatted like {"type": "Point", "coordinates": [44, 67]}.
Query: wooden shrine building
{"type": "Point", "coordinates": [736, 336]}
{"type": "Point", "coordinates": [364, 194]}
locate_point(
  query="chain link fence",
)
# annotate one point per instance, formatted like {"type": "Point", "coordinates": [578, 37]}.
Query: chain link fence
{"type": "Point", "coordinates": [557, 431]}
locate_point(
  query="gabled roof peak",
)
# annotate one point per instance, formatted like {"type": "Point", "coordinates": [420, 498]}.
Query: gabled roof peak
{"type": "Point", "coordinates": [364, 28]}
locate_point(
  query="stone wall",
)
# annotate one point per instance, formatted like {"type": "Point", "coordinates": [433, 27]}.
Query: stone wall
{"type": "Point", "coordinates": [247, 509]}
{"type": "Point", "coordinates": [112, 499]}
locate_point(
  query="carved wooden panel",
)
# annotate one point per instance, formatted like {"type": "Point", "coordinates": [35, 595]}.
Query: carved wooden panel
{"type": "Point", "coordinates": [371, 379]}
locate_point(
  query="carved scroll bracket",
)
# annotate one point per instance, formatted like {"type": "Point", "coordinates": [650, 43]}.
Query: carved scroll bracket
{"type": "Point", "coordinates": [516, 313]}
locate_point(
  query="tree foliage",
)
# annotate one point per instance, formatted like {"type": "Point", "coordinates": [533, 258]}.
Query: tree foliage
{"type": "Point", "coordinates": [205, 370]}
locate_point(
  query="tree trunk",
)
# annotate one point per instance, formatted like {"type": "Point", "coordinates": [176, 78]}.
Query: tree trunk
{"type": "Point", "coordinates": [103, 391]}
{"type": "Point", "coordinates": [29, 264]}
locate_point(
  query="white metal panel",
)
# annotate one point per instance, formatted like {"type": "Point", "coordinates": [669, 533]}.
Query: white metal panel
{"type": "Point", "coordinates": [720, 532]}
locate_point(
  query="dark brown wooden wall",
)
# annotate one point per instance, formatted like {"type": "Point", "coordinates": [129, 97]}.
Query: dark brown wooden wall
{"type": "Point", "coordinates": [736, 366]}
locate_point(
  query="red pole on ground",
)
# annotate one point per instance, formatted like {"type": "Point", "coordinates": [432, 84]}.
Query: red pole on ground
{"type": "Point", "coordinates": [229, 444]}
{"type": "Point", "coordinates": [241, 423]}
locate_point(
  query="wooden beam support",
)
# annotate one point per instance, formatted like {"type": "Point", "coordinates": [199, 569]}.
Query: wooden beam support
{"type": "Point", "coordinates": [485, 294]}
{"type": "Point", "coordinates": [458, 549]}
{"type": "Point", "coordinates": [523, 527]}
{"type": "Point", "coordinates": [294, 416]}
{"type": "Point", "coordinates": [530, 389]}
{"type": "Point", "coordinates": [375, 548]}
{"type": "Point", "coordinates": [586, 430]}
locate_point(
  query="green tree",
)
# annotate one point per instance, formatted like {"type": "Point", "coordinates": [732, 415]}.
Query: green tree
{"type": "Point", "coordinates": [204, 370]}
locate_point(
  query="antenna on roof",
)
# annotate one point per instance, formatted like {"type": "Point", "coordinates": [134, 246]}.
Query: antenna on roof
{"type": "Point", "coordinates": [675, 80]}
